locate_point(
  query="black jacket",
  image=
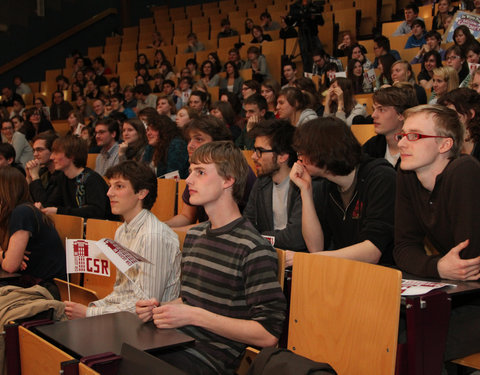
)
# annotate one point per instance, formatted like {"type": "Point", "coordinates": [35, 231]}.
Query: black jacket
{"type": "Point", "coordinates": [368, 216]}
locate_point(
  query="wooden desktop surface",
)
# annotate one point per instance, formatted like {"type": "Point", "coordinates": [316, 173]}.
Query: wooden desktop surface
{"type": "Point", "coordinates": [107, 333]}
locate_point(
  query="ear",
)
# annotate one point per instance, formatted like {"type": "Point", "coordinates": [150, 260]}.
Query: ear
{"type": "Point", "coordinates": [446, 145]}
{"type": "Point", "coordinates": [10, 160]}
{"type": "Point", "coordinates": [282, 158]}
{"type": "Point", "coordinates": [228, 182]}
{"type": "Point", "coordinates": [142, 194]}
{"type": "Point", "coordinates": [401, 117]}
{"type": "Point", "coordinates": [472, 114]}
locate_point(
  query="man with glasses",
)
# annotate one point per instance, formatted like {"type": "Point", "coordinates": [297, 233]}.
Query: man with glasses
{"type": "Point", "coordinates": [321, 59]}
{"type": "Point", "coordinates": [106, 134]}
{"type": "Point", "coordinates": [351, 216]}
{"type": "Point", "coordinates": [41, 174]}
{"type": "Point", "coordinates": [60, 108]}
{"type": "Point", "coordinates": [437, 203]}
{"type": "Point", "coordinates": [274, 206]}
{"type": "Point", "coordinates": [22, 148]}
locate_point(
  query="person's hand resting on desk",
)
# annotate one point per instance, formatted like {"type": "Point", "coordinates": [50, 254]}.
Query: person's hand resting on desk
{"type": "Point", "coordinates": [452, 267]}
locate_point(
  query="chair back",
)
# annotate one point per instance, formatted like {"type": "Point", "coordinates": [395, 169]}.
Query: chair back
{"type": "Point", "coordinates": [77, 293]}
{"type": "Point", "coordinates": [363, 132]}
{"type": "Point", "coordinates": [164, 206]}
{"type": "Point", "coordinates": [345, 313]}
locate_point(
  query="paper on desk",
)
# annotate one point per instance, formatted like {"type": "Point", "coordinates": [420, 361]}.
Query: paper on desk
{"type": "Point", "coordinates": [417, 287]}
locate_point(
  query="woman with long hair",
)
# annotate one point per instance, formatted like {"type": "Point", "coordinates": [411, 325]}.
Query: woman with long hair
{"type": "Point", "coordinates": [259, 36]}
{"type": "Point", "coordinates": [294, 105]}
{"type": "Point", "coordinates": [232, 82]}
{"type": "Point", "coordinates": [346, 43]}
{"type": "Point", "coordinates": [248, 25]}
{"type": "Point", "coordinates": [77, 89]}
{"type": "Point", "coordinates": [159, 58]}
{"type": "Point", "coordinates": [29, 242]}
{"type": "Point", "coordinates": [355, 74]}
{"type": "Point", "coordinates": [208, 74]}
{"type": "Point", "coordinates": [445, 9]}
{"type": "Point", "coordinates": [358, 52]}
{"type": "Point", "coordinates": [142, 60]}
{"type": "Point", "coordinates": [270, 90]}
{"type": "Point", "coordinates": [215, 60]}
{"type": "Point", "coordinates": [385, 63]}
{"type": "Point", "coordinates": [341, 103]}
{"type": "Point", "coordinates": [38, 121]}
{"type": "Point", "coordinates": [184, 115]}
{"type": "Point", "coordinates": [455, 58]}
{"type": "Point", "coordinates": [157, 40]}
{"type": "Point", "coordinates": [463, 38]}
{"type": "Point", "coordinates": [134, 142]}
{"type": "Point", "coordinates": [166, 70]}
{"type": "Point", "coordinates": [445, 79]}
{"type": "Point", "coordinates": [76, 121]}
{"type": "Point", "coordinates": [472, 53]}
{"type": "Point", "coordinates": [40, 104]}
{"type": "Point", "coordinates": [166, 150]}
{"type": "Point", "coordinates": [466, 102]}
{"type": "Point", "coordinates": [224, 112]}
{"type": "Point", "coordinates": [401, 71]}
{"type": "Point", "coordinates": [431, 60]}
{"type": "Point", "coordinates": [91, 90]}
{"type": "Point", "coordinates": [114, 86]}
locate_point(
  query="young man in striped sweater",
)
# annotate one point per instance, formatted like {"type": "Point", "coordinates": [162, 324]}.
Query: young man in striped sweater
{"type": "Point", "coordinates": [230, 296]}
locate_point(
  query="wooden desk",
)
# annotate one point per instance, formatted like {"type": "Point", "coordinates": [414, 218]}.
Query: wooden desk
{"type": "Point", "coordinates": [427, 319]}
{"type": "Point", "coordinates": [107, 333]}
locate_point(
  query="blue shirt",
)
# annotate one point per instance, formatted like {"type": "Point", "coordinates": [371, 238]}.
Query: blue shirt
{"type": "Point", "coordinates": [413, 42]}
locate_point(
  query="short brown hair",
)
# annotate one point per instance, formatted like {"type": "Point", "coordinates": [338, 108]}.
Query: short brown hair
{"type": "Point", "coordinates": [446, 123]}
{"type": "Point", "coordinates": [210, 125]}
{"type": "Point", "coordinates": [328, 142]}
{"type": "Point", "coordinates": [399, 98]}
{"type": "Point", "coordinates": [229, 162]}
{"type": "Point", "coordinates": [74, 148]}
{"type": "Point", "coordinates": [140, 175]}
{"type": "Point", "coordinates": [48, 136]}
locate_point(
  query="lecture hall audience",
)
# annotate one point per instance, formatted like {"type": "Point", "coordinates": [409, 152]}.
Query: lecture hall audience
{"type": "Point", "coordinates": [172, 110]}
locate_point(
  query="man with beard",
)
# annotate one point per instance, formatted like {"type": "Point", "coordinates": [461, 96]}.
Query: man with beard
{"type": "Point", "coordinates": [274, 206]}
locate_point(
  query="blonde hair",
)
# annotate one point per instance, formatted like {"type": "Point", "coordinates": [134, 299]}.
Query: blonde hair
{"type": "Point", "coordinates": [447, 123]}
{"type": "Point", "coordinates": [449, 75]}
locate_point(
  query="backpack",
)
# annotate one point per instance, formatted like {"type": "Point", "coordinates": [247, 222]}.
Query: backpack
{"type": "Point", "coordinates": [278, 361]}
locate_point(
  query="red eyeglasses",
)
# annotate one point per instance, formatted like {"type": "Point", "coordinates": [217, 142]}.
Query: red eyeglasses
{"type": "Point", "coordinates": [416, 136]}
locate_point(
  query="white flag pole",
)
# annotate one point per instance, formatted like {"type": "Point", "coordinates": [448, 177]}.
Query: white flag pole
{"type": "Point", "coordinates": [68, 276]}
